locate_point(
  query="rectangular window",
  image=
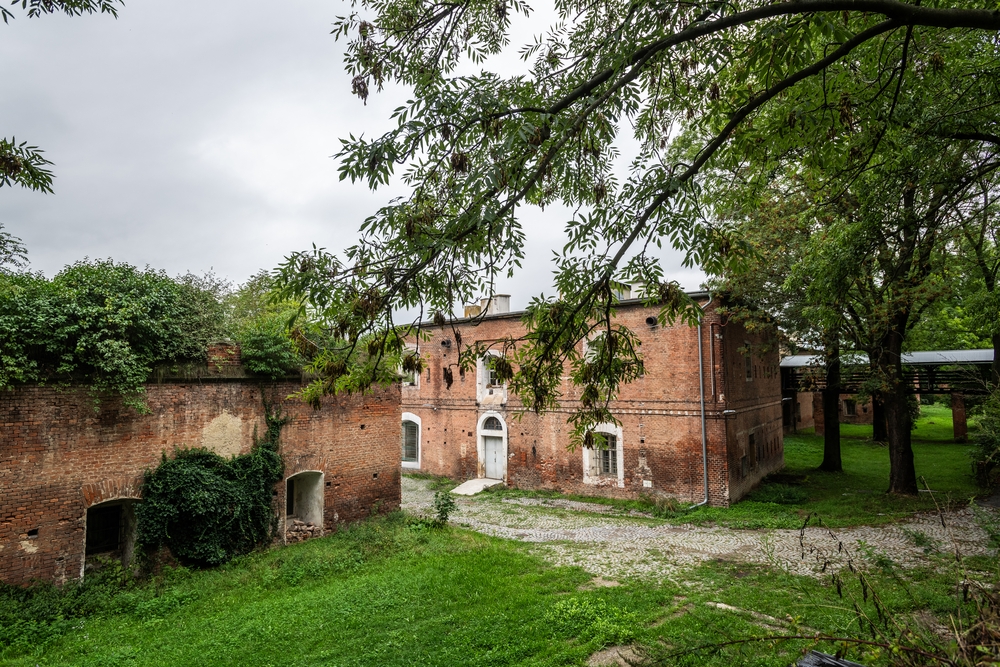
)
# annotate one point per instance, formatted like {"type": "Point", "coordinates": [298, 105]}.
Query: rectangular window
{"type": "Point", "coordinates": [851, 408]}
{"type": "Point", "coordinates": [748, 365]}
{"type": "Point", "coordinates": [290, 497]}
{"type": "Point", "coordinates": [411, 434]}
{"type": "Point", "coordinates": [609, 456]}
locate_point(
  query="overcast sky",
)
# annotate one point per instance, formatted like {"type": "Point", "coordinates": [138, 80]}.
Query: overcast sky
{"type": "Point", "coordinates": [198, 135]}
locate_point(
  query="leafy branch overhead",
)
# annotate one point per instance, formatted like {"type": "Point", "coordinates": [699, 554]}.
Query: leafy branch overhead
{"type": "Point", "coordinates": [702, 94]}
{"type": "Point", "coordinates": [21, 164]}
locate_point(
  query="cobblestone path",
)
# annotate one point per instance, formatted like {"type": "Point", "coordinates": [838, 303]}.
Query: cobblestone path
{"type": "Point", "coordinates": [610, 543]}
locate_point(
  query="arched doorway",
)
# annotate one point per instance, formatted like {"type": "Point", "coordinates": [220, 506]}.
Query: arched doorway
{"type": "Point", "coordinates": [110, 532]}
{"type": "Point", "coordinates": [303, 506]}
{"type": "Point", "coordinates": [492, 446]}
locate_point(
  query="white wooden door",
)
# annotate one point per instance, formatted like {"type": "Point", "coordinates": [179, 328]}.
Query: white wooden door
{"type": "Point", "coordinates": [493, 452]}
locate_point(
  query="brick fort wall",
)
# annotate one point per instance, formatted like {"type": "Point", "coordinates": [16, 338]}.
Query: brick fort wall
{"type": "Point", "coordinates": [59, 457]}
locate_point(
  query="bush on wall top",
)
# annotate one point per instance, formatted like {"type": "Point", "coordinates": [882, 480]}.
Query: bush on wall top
{"type": "Point", "coordinates": [103, 323]}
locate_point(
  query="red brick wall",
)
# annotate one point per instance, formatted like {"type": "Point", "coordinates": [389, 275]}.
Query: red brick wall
{"type": "Point", "coordinates": [660, 414]}
{"type": "Point", "coordinates": [58, 457]}
{"type": "Point", "coordinates": [753, 408]}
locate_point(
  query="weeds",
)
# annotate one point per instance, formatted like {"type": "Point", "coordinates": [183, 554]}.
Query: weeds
{"type": "Point", "coordinates": [444, 505]}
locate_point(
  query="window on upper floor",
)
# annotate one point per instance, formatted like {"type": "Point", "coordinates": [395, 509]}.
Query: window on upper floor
{"type": "Point", "coordinates": [491, 376]}
{"type": "Point", "coordinates": [410, 367]}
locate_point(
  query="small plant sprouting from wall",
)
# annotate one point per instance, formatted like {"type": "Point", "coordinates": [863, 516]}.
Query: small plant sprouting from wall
{"type": "Point", "coordinates": [207, 509]}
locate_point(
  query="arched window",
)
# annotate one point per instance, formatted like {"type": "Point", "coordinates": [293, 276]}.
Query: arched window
{"type": "Point", "coordinates": [492, 424]}
{"type": "Point", "coordinates": [411, 439]}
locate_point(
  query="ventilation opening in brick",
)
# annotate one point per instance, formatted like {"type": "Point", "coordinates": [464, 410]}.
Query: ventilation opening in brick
{"type": "Point", "coordinates": [111, 531]}
{"type": "Point", "coordinates": [303, 506]}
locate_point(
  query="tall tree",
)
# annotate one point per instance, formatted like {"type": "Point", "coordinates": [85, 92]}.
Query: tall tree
{"type": "Point", "coordinates": [474, 148]}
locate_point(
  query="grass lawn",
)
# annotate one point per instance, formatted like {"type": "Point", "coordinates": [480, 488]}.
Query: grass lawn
{"type": "Point", "coordinates": [853, 497]}
{"type": "Point", "coordinates": [393, 592]}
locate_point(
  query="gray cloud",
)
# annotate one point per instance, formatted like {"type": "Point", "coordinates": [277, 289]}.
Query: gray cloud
{"type": "Point", "coordinates": [188, 135]}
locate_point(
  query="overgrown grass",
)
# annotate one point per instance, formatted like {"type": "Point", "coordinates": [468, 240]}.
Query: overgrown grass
{"type": "Point", "coordinates": [856, 496]}
{"type": "Point", "coordinates": [391, 592]}
{"type": "Point", "coordinates": [436, 482]}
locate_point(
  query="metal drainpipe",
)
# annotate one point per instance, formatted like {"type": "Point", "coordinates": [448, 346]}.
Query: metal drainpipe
{"type": "Point", "coordinates": [701, 392]}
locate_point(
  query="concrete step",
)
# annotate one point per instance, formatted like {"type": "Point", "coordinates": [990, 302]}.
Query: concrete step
{"type": "Point", "coordinates": [474, 486]}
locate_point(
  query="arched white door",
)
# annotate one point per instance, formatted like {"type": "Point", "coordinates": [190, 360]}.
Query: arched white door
{"type": "Point", "coordinates": [493, 447]}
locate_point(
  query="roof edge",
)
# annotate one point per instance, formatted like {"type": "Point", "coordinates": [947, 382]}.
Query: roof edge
{"type": "Point", "coordinates": [700, 294]}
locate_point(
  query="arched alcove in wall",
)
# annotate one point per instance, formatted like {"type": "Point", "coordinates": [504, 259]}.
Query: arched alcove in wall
{"type": "Point", "coordinates": [110, 532]}
{"type": "Point", "coordinates": [304, 500]}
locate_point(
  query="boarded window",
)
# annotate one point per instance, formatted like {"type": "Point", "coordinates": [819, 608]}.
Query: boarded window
{"type": "Point", "coordinates": [104, 529]}
{"type": "Point", "coordinates": [411, 436]}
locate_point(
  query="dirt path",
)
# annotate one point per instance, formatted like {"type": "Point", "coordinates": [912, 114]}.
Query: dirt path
{"type": "Point", "coordinates": [609, 543]}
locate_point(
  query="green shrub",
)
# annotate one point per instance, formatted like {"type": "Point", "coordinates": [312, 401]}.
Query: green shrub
{"type": "Point", "coordinates": [104, 324]}
{"type": "Point", "coordinates": [206, 509]}
{"type": "Point", "coordinates": [781, 494]}
{"type": "Point", "coordinates": [444, 505]}
{"type": "Point", "coordinates": [34, 615]}
{"type": "Point", "coordinates": [267, 350]}
{"type": "Point", "coordinates": [986, 451]}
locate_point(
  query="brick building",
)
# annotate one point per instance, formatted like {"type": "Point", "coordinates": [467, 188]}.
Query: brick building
{"type": "Point", "coordinates": [70, 476]}
{"type": "Point", "coordinates": [473, 428]}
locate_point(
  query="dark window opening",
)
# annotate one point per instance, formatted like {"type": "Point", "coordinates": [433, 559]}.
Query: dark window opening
{"type": "Point", "coordinates": [104, 528]}
{"type": "Point", "coordinates": [290, 496]}
{"type": "Point", "coordinates": [851, 408]}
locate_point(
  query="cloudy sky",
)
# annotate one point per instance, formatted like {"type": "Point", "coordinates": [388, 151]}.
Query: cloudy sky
{"type": "Point", "coordinates": [198, 135]}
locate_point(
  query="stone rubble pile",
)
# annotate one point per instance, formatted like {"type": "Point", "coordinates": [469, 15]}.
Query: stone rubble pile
{"type": "Point", "coordinates": [300, 531]}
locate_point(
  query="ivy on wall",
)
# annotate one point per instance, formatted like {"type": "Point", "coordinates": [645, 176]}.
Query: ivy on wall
{"type": "Point", "coordinates": [207, 509]}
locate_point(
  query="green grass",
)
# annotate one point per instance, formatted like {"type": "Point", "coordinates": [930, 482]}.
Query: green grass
{"type": "Point", "coordinates": [436, 482]}
{"type": "Point", "coordinates": [934, 425]}
{"type": "Point", "coordinates": [856, 496]}
{"type": "Point", "coordinates": [390, 592]}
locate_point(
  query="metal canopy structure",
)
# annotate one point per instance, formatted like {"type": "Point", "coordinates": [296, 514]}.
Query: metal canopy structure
{"type": "Point", "coordinates": [935, 372]}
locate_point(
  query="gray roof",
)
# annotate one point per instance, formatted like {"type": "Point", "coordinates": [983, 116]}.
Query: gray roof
{"type": "Point", "coordinates": [934, 358]}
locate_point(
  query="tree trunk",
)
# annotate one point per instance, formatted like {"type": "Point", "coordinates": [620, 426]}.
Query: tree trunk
{"type": "Point", "coordinates": [902, 474]}
{"type": "Point", "coordinates": [831, 412]}
{"type": "Point", "coordinates": [880, 432]}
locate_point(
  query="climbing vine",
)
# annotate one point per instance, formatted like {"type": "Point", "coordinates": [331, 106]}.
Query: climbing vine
{"type": "Point", "coordinates": [207, 509]}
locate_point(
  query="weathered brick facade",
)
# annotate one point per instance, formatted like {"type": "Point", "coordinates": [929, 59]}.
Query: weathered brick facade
{"type": "Point", "coordinates": [59, 458]}
{"type": "Point", "coordinates": [659, 443]}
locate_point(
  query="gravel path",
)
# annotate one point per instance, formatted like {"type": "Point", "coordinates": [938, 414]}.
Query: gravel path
{"type": "Point", "coordinates": [608, 543]}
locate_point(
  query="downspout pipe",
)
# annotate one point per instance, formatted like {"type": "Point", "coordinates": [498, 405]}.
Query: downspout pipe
{"type": "Point", "coordinates": [701, 394]}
